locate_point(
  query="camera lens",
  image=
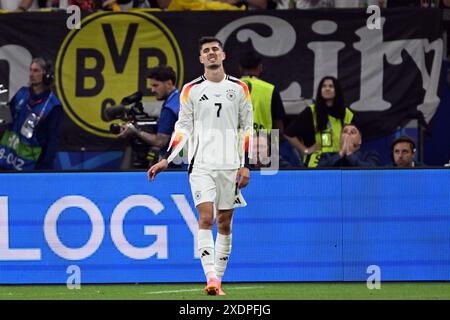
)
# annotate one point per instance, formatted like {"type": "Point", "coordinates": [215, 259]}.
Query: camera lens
{"type": "Point", "coordinates": [114, 128]}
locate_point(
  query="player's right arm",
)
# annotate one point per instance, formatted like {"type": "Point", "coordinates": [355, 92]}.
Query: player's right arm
{"type": "Point", "coordinates": [182, 131]}
{"type": "Point", "coordinates": [245, 136]}
{"type": "Point", "coordinates": [157, 168]}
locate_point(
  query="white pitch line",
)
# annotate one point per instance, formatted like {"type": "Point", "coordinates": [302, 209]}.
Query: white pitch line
{"type": "Point", "coordinates": [194, 290]}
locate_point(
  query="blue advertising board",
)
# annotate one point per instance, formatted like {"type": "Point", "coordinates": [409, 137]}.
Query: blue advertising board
{"type": "Point", "coordinates": [307, 225]}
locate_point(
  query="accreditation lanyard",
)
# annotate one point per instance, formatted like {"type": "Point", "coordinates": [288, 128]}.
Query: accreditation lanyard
{"type": "Point", "coordinates": [29, 105]}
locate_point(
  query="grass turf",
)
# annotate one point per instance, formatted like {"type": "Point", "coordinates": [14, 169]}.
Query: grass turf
{"type": "Point", "coordinates": [235, 291]}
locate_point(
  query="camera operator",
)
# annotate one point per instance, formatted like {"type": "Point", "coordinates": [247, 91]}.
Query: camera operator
{"type": "Point", "coordinates": [162, 79]}
{"type": "Point", "coordinates": [31, 140]}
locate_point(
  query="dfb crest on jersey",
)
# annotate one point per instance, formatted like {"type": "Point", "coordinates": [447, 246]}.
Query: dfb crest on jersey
{"type": "Point", "coordinates": [231, 95]}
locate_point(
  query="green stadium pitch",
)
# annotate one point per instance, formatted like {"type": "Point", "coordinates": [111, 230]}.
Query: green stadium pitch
{"type": "Point", "coordinates": [234, 291]}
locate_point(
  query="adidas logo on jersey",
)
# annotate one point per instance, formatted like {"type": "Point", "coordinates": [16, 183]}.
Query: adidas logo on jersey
{"type": "Point", "coordinates": [203, 98]}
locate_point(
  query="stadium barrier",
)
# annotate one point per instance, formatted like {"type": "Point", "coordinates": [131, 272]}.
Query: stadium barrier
{"type": "Point", "coordinates": [322, 225]}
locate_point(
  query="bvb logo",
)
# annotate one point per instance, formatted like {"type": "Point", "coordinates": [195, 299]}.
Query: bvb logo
{"type": "Point", "coordinates": [109, 58]}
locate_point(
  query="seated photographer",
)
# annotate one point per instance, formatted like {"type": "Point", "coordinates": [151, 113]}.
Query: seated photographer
{"type": "Point", "coordinates": [350, 154]}
{"type": "Point", "coordinates": [162, 79]}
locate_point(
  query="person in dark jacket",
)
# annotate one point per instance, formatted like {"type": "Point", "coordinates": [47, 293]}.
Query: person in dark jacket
{"type": "Point", "coordinates": [350, 154]}
{"type": "Point", "coordinates": [404, 152]}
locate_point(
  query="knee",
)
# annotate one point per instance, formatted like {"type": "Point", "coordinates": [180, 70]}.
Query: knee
{"type": "Point", "coordinates": [224, 225]}
{"type": "Point", "coordinates": [224, 229]}
{"type": "Point", "coordinates": [206, 223]}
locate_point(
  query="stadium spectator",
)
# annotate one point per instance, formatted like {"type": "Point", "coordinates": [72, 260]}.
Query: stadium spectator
{"type": "Point", "coordinates": [249, 4]}
{"type": "Point", "coordinates": [163, 4]}
{"type": "Point", "coordinates": [350, 154]}
{"type": "Point", "coordinates": [317, 129]}
{"type": "Point", "coordinates": [124, 5]}
{"type": "Point", "coordinates": [31, 141]}
{"type": "Point", "coordinates": [85, 5]}
{"type": "Point", "coordinates": [182, 5]}
{"type": "Point", "coordinates": [19, 5]}
{"type": "Point", "coordinates": [262, 154]}
{"type": "Point", "coordinates": [304, 4]}
{"type": "Point", "coordinates": [359, 3]}
{"type": "Point", "coordinates": [403, 153]}
{"type": "Point", "coordinates": [94, 5]}
{"type": "Point", "coordinates": [175, 5]}
{"type": "Point", "coordinates": [316, 4]}
{"type": "Point", "coordinates": [261, 151]}
{"type": "Point", "coordinates": [412, 3]}
{"type": "Point", "coordinates": [162, 81]}
{"type": "Point", "coordinates": [429, 3]}
{"type": "Point", "coordinates": [215, 109]}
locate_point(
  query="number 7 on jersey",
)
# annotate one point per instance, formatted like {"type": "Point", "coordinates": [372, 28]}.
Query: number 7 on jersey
{"type": "Point", "coordinates": [218, 110]}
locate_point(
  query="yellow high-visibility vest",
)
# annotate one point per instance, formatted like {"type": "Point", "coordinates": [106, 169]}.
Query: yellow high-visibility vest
{"type": "Point", "coordinates": [261, 95]}
{"type": "Point", "coordinates": [329, 138]}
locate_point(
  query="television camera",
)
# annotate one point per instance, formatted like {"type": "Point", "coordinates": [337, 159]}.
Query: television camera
{"type": "Point", "coordinates": [131, 111]}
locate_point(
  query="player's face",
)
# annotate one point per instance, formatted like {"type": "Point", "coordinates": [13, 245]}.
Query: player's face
{"type": "Point", "coordinates": [403, 154]}
{"type": "Point", "coordinates": [327, 90]}
{"type": "Point", "coordinates": [36, 74]}
{"type": "Point", "coordinates": [212, 55]}
{"type": "Point", "coordinates": [160, 88]}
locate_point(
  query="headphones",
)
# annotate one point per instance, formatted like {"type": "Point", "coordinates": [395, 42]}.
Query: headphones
{"type": "Point", "coordinates": [48, 77]}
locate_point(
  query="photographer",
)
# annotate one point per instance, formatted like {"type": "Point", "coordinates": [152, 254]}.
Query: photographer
{"type": "Point", "coordinates": [162, 80]}
{"type": "Point", "coordinates": [31, 140]}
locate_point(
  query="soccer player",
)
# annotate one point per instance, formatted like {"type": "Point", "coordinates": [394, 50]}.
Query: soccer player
{"type": "Point", "coordinates": [216, 116]}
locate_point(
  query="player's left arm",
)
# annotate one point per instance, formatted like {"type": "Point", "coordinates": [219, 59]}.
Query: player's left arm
{"type": "Point", "coordinates": [245, 136]}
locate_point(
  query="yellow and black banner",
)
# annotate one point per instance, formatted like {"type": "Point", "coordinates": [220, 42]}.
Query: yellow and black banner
{"type": "Point", "coordinates": [388, 65]}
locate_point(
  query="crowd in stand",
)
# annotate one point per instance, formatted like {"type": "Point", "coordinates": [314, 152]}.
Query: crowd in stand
{"type": "Point", "coordinates": [119, 5]}
{"type": "Point", "coordinates": [323, 135]}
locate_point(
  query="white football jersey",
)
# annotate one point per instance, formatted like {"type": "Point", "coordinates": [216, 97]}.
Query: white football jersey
{"type": "Point", "coordinates": [217, 119]}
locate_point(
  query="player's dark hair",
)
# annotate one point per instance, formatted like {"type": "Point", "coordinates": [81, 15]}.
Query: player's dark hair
{"type": "Point", "coordinates": [338, 107]}
{"type": "Point", "coordinates": [208, 39]}
{"type": "Point", "coordinates": [162, 73]}
{"type": "Point", "coordinates": [404, 139]}
{"type": "Point", "coordinates": [250, 60]}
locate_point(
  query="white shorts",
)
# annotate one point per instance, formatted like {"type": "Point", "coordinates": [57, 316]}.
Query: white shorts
{"type": "Point", "coordinates": [217, 186]}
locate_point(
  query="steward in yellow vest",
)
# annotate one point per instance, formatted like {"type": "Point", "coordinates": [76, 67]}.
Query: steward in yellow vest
{"type": "Point", "coordinates": [329, 138]}
{"type": "Point", "coordinates": [268, 109]}
{"type": "Point", "coordinates": [317, 129]}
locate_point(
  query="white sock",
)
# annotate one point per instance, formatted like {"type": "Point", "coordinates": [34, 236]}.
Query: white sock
{"type": "Point", "coordinates": [223, 250]}
{"type": "Point", "coordinates": [206, 249]}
